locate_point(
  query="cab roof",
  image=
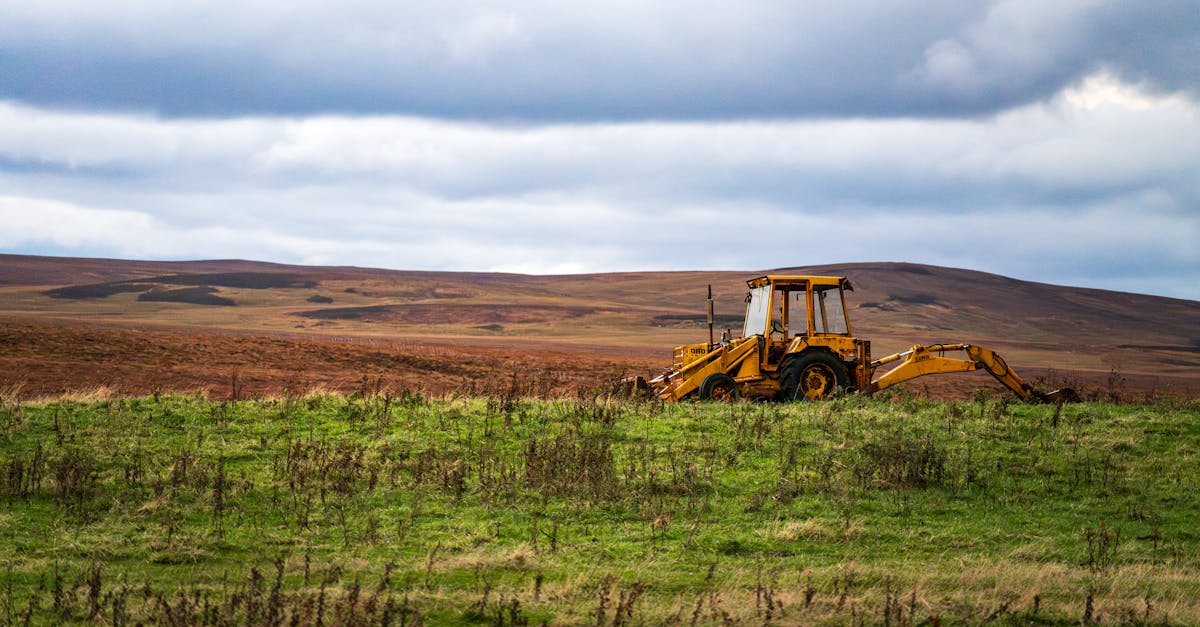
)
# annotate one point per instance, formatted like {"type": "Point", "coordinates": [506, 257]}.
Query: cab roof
{"type": "Point", "coordinates": [798, 280]}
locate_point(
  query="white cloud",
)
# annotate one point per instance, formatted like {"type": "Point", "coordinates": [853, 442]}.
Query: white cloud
{"type": "Point", "coordinates": [26, 221]}
{"type": "Point", "coordinates": [484, 35]}
{"type": "Point", "coordinates": [1104, 90]}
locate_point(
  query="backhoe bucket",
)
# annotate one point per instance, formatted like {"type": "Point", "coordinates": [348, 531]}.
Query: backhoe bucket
{"type": "Point", "coordinates": [1058, 397]}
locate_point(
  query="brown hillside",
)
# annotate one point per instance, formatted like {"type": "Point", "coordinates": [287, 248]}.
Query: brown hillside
{"type": "Point", "coordinates": [596, 318]}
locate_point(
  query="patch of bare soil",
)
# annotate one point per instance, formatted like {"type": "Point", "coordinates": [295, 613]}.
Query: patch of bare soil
{"type": "Point", "coordinates": [39, 358]}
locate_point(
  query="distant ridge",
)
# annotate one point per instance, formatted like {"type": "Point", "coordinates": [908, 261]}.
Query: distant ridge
{"type": "Point", "coordinates": [894, 304]}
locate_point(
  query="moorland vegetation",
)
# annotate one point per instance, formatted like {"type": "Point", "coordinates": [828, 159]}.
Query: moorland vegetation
{"type": "Point", "coordinates": [383, 507]}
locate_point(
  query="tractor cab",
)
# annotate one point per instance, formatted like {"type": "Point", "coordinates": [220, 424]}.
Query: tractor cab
{"type": "Point", "coordinates": [791, 312]}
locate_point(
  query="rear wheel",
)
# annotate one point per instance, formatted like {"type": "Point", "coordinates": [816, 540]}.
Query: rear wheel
{"type": "Point", "coordinates": [814, 376]}
{"type": "Point", "coordinates": [718, 387]}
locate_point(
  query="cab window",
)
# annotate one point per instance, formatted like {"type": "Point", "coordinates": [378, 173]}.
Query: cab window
{"type": "Point", "coordinates": [828, 314]}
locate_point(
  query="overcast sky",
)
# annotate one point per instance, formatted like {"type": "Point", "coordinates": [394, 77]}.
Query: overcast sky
{"type": "Point", "coordinates": [1050, 141]}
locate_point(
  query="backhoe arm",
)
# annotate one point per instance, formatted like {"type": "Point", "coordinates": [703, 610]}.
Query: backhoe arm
{"type": "Point", "coordinates": [921, 360]}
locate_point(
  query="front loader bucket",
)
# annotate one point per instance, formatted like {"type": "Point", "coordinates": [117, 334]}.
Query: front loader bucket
{"type": "Point", "coordinates": [635, 387]}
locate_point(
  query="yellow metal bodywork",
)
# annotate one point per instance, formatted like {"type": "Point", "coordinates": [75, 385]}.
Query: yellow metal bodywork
{"type": "Point", "coordinates": [688, 353]}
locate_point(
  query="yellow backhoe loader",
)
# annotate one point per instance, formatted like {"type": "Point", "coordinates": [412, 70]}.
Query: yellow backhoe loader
{"type": "Point", "coordinates": [796, 344]}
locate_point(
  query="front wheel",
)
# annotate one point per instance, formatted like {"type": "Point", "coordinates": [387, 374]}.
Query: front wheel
{"type": "Point", "coordinates": [815, 376]}
{"type": "Point", "coordinates": [718, 387]}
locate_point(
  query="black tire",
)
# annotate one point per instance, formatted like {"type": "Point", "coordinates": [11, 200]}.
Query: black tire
{"type": "Point", "coordinates": [815, 375]}
{"type": "Point", "coordinates": [718, 387]}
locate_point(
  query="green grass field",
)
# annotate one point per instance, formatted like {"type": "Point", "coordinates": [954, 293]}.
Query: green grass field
{"type": "Point", "coordinates": [378, 509]}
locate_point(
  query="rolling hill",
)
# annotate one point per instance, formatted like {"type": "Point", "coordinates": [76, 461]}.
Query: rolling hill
{"type": "Point", "coordinates": [573, 328]}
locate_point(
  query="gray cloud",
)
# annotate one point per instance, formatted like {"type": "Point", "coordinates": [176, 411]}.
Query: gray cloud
{"type": "Point", "coordinates": [1094, 187]}
{"type": "Point", "coordinates": [538, 60]}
